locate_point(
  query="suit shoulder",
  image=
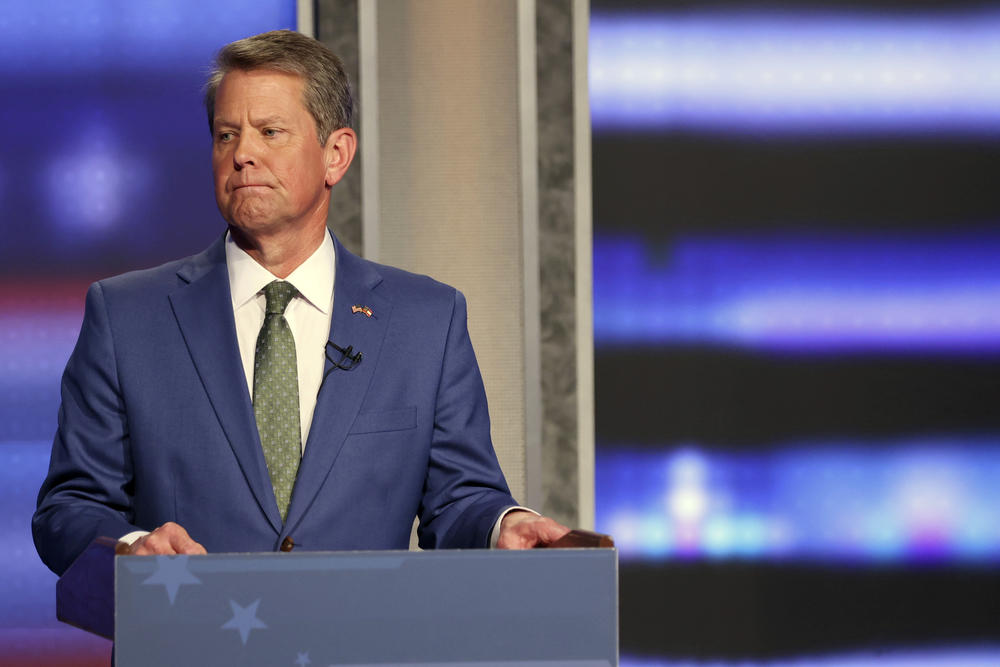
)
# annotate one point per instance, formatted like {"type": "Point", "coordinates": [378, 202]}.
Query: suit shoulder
{"type": "Point", "coordinates": [143, 278]}
{"type": "Point", "coordinates": [400, 279]}
{"type": "Point", "coordinates": [144, 283]}
{"type": "Point", "coordinates": [404, 286]}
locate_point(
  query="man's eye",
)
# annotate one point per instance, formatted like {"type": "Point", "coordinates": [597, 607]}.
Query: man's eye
{"type": "Point", "coordinates": [270, 132]}
{"type": "Point", "coordinates": [225, 136]}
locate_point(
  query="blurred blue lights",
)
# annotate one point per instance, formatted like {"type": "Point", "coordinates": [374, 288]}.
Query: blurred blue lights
{"type": "Point", "coordinates": [34, 346]}
{"type": "Point", "coordinates": [928, 500]}
{"type": "Point", "coordinates": [802, 293]}
{"type": "Point", "coordinates": [106, 168]}
{"type": "Point", "coordinates": [95, 185]}
{"type": "Point", "coordinates": [63, 36]}
{"type": "Point", "coordinates": [789, 72]}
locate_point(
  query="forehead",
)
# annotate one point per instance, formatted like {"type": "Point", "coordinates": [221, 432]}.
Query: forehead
{"type": "Point", "coordinates": [259, 91]}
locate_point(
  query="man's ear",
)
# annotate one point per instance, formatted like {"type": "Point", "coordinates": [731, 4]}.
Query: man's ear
{"type": "Point", "coordinates": [339, 151]}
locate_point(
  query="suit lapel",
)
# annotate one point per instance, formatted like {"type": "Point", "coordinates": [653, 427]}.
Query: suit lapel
{"type": "Point", "coordinates": [342, 392]}
{"type": "Point", "coordinates": [204, 313]}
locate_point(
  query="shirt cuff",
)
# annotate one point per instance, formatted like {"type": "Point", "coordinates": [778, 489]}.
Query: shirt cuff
{"type": "Point", "coordinates": [495, 531]}
{"type": "Point", "coordinates": [131, 538]}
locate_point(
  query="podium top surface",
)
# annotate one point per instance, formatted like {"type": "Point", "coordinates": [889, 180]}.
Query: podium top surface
{"type": "Point", "coordinates": [369, 608]}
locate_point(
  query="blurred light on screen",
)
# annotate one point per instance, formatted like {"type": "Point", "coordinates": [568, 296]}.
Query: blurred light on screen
{"type": "Point", "coordinates": [36, 344]}
{"type": "Point", "coordinates": [95, 185]}
{"type": "Point", "coordinates": [921, 500]}
{"type": "Point", "coordinates": [790, 72]}
{"type": "Point", "coordinates": [73, 36]}
{"type": "Point", "coordinates": [106, 168]}
{"type": "Point", "coordinates": [802, 293]}
{"type": "Point", "coordinates": [112, 168]}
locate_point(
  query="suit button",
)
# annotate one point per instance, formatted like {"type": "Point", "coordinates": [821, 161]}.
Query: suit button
{"type": "Point", "coordinates": [287, 544]}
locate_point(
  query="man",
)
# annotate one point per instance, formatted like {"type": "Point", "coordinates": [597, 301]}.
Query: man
{"type": "Point", "coordinates": [275, 391]}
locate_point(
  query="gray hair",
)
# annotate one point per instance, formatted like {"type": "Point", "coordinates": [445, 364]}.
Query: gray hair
{"type": "Point", "coordinates": [327, 90]}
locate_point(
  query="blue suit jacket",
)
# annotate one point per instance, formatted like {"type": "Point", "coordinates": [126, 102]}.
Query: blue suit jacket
{"type": "Point", "coordinates": [156, 423]}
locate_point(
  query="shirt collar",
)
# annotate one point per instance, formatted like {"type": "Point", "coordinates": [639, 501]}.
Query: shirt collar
{"type": "Point", "coordinates": [313, 278]}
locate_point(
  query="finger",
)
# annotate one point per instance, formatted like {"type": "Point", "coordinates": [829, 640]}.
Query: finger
{"type": "Point", "coordinates": [153, 544]}
{"type": "Point", "coordinates": [550, 531]}
{"type": "Point", "coordinates": [163, 547]}
{"type": "Point", "coordinates": [180, 541]}
{"type": "Point", "coordinates": [538, 531]}
{"type": "Point", "coordinates": [524, 534]}
{"type": "Point", "coordinates": [510, 541]}
{"type": "Point", "coordinates": [197, 549]}
{"type": "Point", "coordinates": [167, 540]}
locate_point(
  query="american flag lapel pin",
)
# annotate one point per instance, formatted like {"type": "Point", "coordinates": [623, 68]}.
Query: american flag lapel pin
{"type": "Point", "coordinates": [362, 309]}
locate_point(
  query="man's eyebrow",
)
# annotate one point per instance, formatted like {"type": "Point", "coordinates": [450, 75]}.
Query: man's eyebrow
{"type": "Point", "coordinates": [267, 120]}
{"type": "Point", "coordinates": [256, 122]}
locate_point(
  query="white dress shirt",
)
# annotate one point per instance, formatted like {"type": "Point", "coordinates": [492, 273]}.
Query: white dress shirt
{"type": "Point", "coordinates": [308, 316]}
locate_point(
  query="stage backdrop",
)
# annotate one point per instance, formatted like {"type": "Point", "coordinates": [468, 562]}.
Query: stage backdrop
{"type": "Point", "coordinates": [105, 167]}
{"type": "Point", "coordinates": [797, 328]}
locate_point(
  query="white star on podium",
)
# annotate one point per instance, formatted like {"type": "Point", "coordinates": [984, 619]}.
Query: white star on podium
{"type": "Point", "coordinates": [244, 619]}
{"type": "Point", "coordinates": [172, 572]}
{"type": "Point", "coordinates": [303, 659]}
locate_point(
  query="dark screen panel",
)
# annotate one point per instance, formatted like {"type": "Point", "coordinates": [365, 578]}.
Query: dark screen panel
{"type": "Point", "coordinates": [796, 309]}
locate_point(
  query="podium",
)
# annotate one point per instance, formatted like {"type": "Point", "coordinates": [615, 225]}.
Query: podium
{"type": "Point", "coordinates": [537, 607]}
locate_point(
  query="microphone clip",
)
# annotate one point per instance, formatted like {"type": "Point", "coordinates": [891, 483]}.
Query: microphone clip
{"type": "Point", "coordinates": [346, 359]}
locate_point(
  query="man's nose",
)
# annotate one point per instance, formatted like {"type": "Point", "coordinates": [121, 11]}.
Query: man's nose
{"type": "Point", "coordinates": [246, 150]}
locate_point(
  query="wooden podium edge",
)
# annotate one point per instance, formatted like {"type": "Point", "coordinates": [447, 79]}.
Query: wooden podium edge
{"type": "Point", "coordinates": [583, 539]}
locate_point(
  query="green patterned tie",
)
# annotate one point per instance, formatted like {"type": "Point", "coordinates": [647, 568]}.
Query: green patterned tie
{"type": "Point", "coordinates": [276, 394]}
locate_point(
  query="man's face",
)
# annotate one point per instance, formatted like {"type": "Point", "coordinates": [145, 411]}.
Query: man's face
{"type": "Point", "coordinates": [270, 170]}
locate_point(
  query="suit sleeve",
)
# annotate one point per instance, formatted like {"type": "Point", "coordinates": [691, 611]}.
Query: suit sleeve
{"type": "Point", "coordinates": [465, 490]}
{"type": "Point", "coordinates": [87, 492]}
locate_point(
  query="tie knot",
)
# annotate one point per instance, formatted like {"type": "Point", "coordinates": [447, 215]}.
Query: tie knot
{"type": "Point", "coordinates": [278, 294]}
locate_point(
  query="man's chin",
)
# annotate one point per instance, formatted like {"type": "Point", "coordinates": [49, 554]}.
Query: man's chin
{"type": "Point", "coordinates": [250, 219]}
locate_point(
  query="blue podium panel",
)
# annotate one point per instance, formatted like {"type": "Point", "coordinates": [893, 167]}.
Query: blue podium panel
{"type": "Point", "coordinates": [543, 607]}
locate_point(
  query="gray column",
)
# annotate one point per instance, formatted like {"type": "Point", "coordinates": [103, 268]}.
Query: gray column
{"type": "Point", "coordinates": [336, 25]}
{"type": "Point", "coordinates": [564, 262]}
{"type": "Point", "coordinates": [476, 170]}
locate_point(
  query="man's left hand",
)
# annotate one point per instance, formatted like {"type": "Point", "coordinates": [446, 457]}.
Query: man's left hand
{"type": "Point", "coordinates": [524, 530]}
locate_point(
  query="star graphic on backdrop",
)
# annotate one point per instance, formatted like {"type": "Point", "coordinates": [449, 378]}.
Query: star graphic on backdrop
{"type": "Point", "coordinates": [172, 572]}
{"type": "Point", "coordinates": [244, 619]}
{"type": "Point", "coordinates": [303, 659]}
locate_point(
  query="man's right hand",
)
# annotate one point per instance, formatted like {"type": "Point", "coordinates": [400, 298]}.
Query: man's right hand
{"type": "Point", "coordinates": [168, 540]}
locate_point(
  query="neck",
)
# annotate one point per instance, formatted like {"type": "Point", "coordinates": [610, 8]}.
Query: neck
{"type": "Point", "coordinates": [281, 253]}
